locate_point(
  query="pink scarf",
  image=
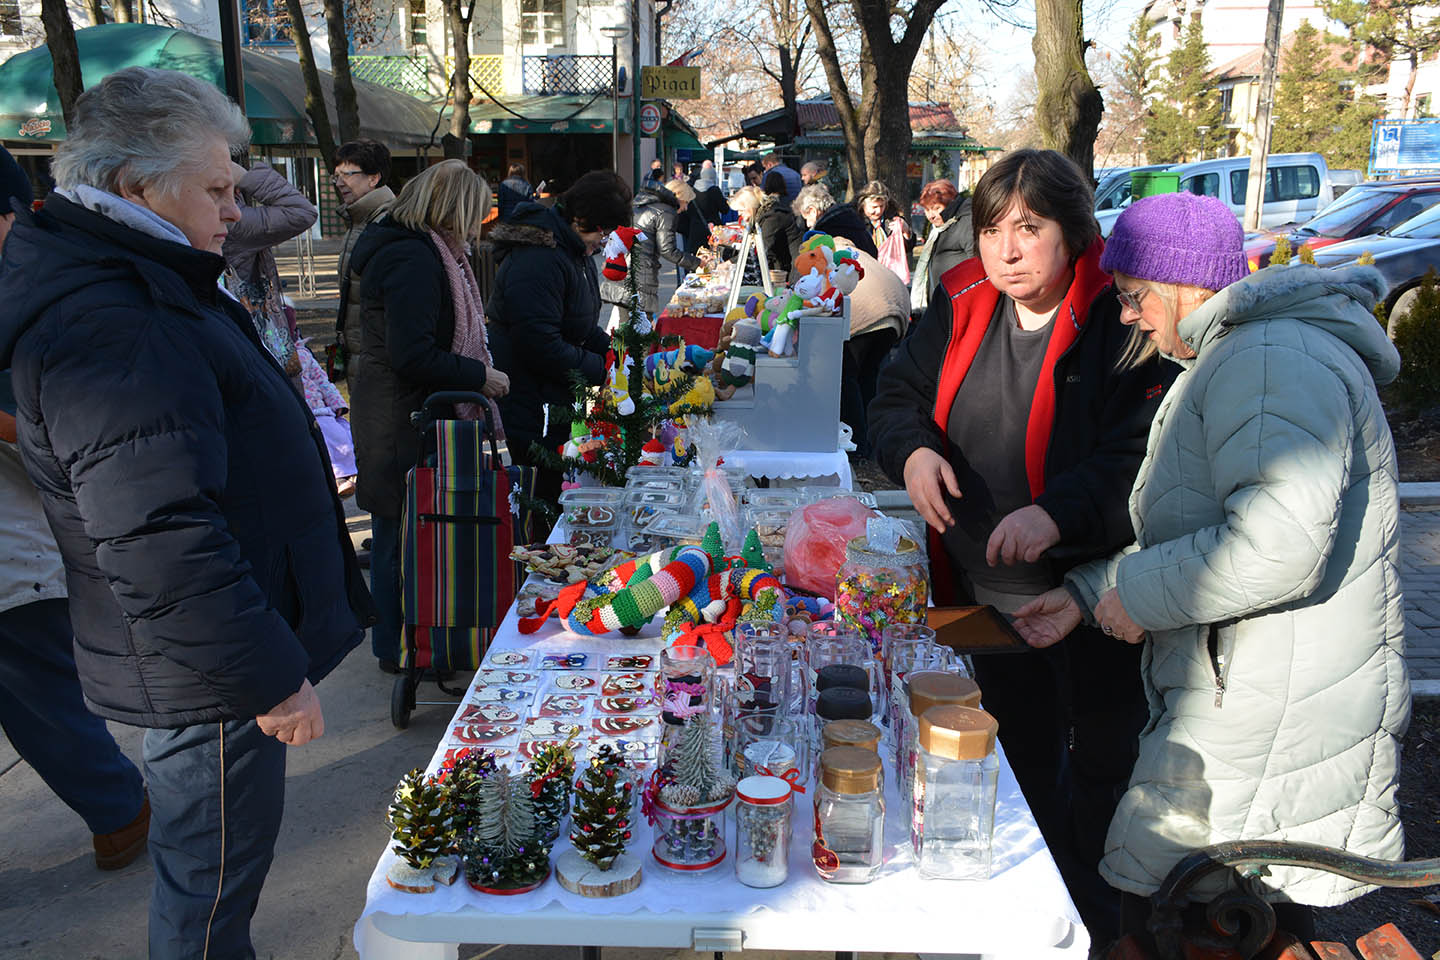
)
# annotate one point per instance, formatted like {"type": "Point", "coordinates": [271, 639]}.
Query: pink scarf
{"type": "Point", "coordinates": [470, 340]}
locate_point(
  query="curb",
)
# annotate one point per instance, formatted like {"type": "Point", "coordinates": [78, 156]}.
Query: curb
{"type": "Point", "coordinates": [1419, 495]}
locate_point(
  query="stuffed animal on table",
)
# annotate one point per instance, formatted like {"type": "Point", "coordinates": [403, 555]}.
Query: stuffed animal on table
{"type": "Point", "coordinates": [617, 252]}
{"type": "Point", "coordinates": [701, 394]}
{"type": "Point", "coordinates": [583, 444]}
{"type": "Point", "coordinates": [780, 323]}
{"type": "Point", "coordinates": [737, 366]}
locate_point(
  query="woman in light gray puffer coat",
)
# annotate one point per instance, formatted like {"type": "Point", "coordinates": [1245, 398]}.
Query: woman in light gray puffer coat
{"type": "Point", "coordinates": [1264, 579]}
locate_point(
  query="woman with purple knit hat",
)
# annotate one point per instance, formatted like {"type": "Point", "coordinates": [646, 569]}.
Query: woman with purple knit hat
{"type": "Point", "coordinates": [1263, 581]}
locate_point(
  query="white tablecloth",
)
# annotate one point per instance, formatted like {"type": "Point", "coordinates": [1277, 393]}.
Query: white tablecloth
{"type": "Point", "coordinates": [789, 465]}
{"type": "Point", "coordinates": [1023, 910]}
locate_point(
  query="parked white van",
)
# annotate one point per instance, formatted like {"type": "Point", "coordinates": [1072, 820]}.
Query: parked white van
{"type": "Point", "coordinates": [1297, 186]}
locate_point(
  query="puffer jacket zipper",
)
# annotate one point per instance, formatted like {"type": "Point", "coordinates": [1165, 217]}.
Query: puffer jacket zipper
{"type": "Point", "coordinates": [1221, 657]}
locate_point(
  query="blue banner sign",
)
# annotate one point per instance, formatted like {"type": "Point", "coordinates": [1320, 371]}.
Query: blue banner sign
{"type": "Point", "coordinates": [1405, 146]}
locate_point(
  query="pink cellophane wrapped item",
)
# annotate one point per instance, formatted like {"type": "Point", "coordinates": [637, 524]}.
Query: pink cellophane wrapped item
{"type": "Point", "coordinates": [815, 542]}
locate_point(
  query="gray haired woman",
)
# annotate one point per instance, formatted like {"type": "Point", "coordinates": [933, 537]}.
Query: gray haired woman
{"type": "Point", "coordinates": [210, 574]}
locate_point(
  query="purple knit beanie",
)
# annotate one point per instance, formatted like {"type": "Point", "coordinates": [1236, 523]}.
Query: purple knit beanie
{"type": "Point", "coordinates": [1178, 238]}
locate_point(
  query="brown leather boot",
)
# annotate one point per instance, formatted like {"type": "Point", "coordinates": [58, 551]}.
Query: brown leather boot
{"type": "Point", "coordinates": [119, 849]}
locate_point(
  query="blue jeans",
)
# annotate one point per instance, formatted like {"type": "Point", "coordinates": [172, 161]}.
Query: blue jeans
{"type": "Point", "coordinates": [43, 713]}
{"type": "Point", "coordinates": [217, 792]}
{"type": "Point", "coordinates": [385, 587]}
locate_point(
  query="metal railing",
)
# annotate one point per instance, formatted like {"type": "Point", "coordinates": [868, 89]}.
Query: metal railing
{"type": "Point", "coordinates": [486, 70]}
{"type": "Point", "coordinates": [569, 74]}
{"type": "Point", "coordinates": [406, 73]}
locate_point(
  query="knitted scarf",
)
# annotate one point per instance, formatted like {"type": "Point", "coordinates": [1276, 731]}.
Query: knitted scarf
{"type": "Point", "coordinates": [470, 339]}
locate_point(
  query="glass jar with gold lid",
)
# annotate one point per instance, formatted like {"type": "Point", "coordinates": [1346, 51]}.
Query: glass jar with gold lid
{"type": "Point", "coordinates": [920, 691]}
{"type": "Point", "coordinates": [955, 783]}
{"type": "Point", "coordinates": [883, 580]}
{"type": "Point", "coordinates": [849, 816]}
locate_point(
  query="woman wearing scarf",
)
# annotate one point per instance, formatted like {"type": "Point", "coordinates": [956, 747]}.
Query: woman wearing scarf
{"type": "Point", "coordinates": [423, 330]}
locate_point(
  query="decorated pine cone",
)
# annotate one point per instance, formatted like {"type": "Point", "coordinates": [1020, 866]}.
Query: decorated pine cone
{"type": "Point", "coordinates": [721, 788]}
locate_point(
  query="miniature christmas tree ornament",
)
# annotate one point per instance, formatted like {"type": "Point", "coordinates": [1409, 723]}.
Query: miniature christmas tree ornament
{"type": "Point", "coordinates": [422, 819]}
{"type": "Point", "coordinates": [599, 829]}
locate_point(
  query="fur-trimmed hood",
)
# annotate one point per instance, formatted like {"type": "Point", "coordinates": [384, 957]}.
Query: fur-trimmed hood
{"type": "Point", "coordinates": [1338, 300]}
{"type": "Point", "coordinates": [536, 225]}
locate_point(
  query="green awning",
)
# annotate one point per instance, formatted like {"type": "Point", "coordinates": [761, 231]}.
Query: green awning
{"type": "Point", "coordinates": [274, 87]}
{"type": "Point", "coordinates": [679, 135]}
{"type": "Point", "coordinates": [556, 113]}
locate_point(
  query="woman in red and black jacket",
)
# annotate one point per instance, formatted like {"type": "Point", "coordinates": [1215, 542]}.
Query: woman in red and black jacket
{"type": "Point", "coordinates": [1017, 428]}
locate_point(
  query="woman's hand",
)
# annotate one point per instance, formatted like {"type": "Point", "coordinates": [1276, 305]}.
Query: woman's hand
{"type": "Point", "coordinates": [1048, 619]}
{"type": "Point", "coordinates": [1114, 621]}
{"type": "Point", "coordinates": [928, 477]}
{"type": "Point", "coordinates": [497, 384]}
{"type": "Point", "coordinates": [1022, 535]}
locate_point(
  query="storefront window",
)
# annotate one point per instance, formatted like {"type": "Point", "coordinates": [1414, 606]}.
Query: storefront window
{"type": "Point", "coordinates": [542, 22]}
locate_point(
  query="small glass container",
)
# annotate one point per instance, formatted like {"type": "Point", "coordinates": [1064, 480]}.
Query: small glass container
{"type": "Point", "coordinates": [910, 647]}
{"type": "Point", "coordinates": [762, 665]}
{"type": "Point", "coordinates": [675, 529]}
{"type": "Point", "coordinates": [955, 783]}
{"type": "Point", "coordinates": [919, 692]}
{"type": "Point", "coordinates": [876, 587]}
{"type": "Point", "coordinates": [762, 831]}
{"type": "Point", "coordinates": [849, 816]}
{"type": "Point", "coordinates": [769, 738]}
{"type": "Point", "coordinates": [826, 643]}
{"type": "Point", "coordinates": [686, 683]}
{"type": "Point", "coordinates": [689, 838]}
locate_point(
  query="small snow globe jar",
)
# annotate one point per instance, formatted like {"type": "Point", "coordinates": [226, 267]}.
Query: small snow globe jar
{"type": "Point", "coordinates": [689, 829]}
{"type": "Point", "coordinates": [686, 683]}
{"type": "Point", "coordinates": [882, 581]}
{"type": "Point", "coordinates": [762, 831]}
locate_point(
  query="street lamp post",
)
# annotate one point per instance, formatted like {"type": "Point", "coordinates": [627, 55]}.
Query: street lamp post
{"type": "Point", "coordinates": [615, 33]}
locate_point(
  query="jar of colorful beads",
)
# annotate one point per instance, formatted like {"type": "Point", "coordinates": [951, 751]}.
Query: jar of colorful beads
{"type": "Point", "coordinates": [883, 581]}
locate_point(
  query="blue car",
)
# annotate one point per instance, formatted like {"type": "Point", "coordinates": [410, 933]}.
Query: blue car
{"type": "Point", "coordinates": [1404, 254]}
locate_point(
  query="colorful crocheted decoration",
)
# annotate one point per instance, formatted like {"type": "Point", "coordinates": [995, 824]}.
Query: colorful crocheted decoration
{"type": "Point", "coordinates": [705, 603]}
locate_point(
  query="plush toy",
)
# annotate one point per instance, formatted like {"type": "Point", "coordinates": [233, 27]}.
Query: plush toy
{"type": "Point", "coordinates": [682, 455]}
{"type": "Point", "coordinates": [738, 367]}
{"type": "Point", "coordinates": [652, 454]}
{"type": "Point", "coordinates": [617, 252]}
{"type": "Point", "coordinates": [687, 358]}
{"type": "Point", "coordinates": [781, 322]}
{"type": "Point", "coordinates": [619, 383]}
{"type": "Point", "coordinates": [583, 444]}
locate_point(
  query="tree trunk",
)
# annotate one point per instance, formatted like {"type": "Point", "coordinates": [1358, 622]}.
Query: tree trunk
{"type": "Point", "coordinates": [840, 93]}
{"type": "Point", "coordinates": [64, 56]}
{"type": "Point", "coordinates": [95, 12]}
{"type": "Point", "coordinates": [1069, 107]}
{"type": "Point", "coordinates": [347, 111]}
{"type": "Point", "coordinates": [788, 95]}
{"type": "Point", "coordinates": [314, 93]}
{"type": "Point", "coordinates": [124, 10]}
{"type": "Point", "coordinates": [460, 37]}
{"type": "Point", "coordinates": [887, 134]}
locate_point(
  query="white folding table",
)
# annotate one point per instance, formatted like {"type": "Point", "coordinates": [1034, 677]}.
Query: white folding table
{"type": "Point", "coordinates": [1024, 910]}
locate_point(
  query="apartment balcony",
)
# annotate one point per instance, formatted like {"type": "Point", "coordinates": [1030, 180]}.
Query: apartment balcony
{"type": "Point", "coordinates": [408, 74]}
{"type": "Point", "coordinates": [572, 74]}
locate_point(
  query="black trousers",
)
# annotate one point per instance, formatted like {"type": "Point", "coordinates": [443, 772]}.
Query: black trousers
{"type": "Point", "coordinates": [1070, 718]}
{"type": "Point", "coordinates": [860, 367]}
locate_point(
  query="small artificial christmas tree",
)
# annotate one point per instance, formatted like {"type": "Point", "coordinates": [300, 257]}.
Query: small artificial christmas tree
{"type": "Point", "coordinates": [753, 553]}
{"type": "Point", "coordinates": [633, 340]}
{"type": "Point", "coordinates": [422, 819]}
{"type": "Point", "coordinates": [694, 767]}
{"type": "Point", "coordinates": [550, 774]}
{"type": "Point", "coordinates": [600, 824]}
{"type": "Point", "coordinates": [505, 850]}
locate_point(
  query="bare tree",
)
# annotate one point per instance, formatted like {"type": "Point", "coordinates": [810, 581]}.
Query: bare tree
{"type": "Point", "coordinates": [347, 110]}
{"type": "Point", "coordinates": [314, 93]}
{"type": "Point", "coordinates": [64, 56]}
{"type": "Point", "coordinates": [123, 10]}
{"type": "Point", "coordinates": [95, 10]}
{"type": "Point", "coordinates": [1069, 106]}
{"type": "Point", "coordinates": [877, 127]}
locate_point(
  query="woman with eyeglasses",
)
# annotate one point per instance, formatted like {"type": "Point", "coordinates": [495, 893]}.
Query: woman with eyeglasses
{"type": "Point", "coordinates": [1017, 430]}
{"type": "Point", "coordinates": [1261, 581]}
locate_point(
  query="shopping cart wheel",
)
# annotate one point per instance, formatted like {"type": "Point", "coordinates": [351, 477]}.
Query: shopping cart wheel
{"type": "Point", "coordinates": [402, 701]}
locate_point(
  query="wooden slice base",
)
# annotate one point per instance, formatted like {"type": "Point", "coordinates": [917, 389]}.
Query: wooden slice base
{"type": "Point", "coordinates": [410, 879]}
{"type": "Point", "coordinates": [578, 875]}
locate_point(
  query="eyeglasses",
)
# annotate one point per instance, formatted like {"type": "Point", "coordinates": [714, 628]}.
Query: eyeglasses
{"type": "Point", "coordinates": [339, 175]}
{"type": "Point", "coordinates": [1132, 298]}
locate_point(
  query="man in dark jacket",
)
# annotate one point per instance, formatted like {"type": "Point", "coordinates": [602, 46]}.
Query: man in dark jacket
{"type": "Point", "coordinates": [545, 309]}
{"type": "Point", "coordinates": [656, 213]}
{"type": "Point", "coordinates": [209, 568]}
